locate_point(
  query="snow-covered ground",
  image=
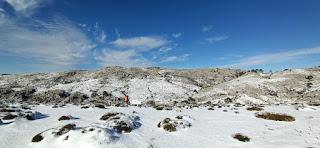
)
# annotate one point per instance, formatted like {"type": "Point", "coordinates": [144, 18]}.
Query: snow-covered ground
{"type": "Point", "coordinates": [209, 128]}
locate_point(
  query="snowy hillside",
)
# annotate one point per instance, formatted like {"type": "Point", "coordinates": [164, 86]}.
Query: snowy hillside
{"type": "Point", "coordinates": [165, 86]}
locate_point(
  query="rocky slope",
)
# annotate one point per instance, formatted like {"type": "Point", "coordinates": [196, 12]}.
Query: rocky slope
{"type": "Point", "coordinates": [149, 86]}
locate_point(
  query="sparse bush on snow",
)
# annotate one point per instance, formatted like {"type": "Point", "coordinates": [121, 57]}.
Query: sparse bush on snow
{"type": "Point", "coordinates": [275, 116]}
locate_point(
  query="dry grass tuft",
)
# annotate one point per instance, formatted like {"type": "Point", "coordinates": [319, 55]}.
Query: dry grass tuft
{"type": "Point", "coordinates": [254, 108]}
{"type": "Point", "coordinates": [275, 116]}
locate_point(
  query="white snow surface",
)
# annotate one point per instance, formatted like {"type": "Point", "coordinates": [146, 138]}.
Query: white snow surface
{"type": "Point", "coordinates": [210, 128]}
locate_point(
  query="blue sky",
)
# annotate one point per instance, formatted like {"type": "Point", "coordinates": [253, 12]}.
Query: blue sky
{"type": "Point", "coordinates": [58, 35]}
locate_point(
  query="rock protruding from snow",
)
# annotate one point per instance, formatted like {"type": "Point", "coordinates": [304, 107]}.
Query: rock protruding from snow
{"type": "Point", "coordinates": [32, 115]}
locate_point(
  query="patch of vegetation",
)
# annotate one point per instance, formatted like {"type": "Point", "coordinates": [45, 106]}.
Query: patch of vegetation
{"type": "Point", "coordinates": [64, 118]}
{"type": "Point", "coordinates": [309, 77]}
{"type": "Point", "coordinates": [275, 116]}
{"type": "Point", "coordinates": [9, 117]}
{"type": "Point", "coordinates": [210, 108]}
{"type": "Point", "coordinates": [241, 137]}
{"type": "Point", "coordinates": [254, 108]}
{"type": "Point", "coordinates": [169, 127]}
{"type": "Point", "coordinates": [84, 107]}
{"type": "Point", "coordinates": [309, 85]}
{"type": "Point", "coordinates": [99, 106]}
{"type": "Point", "coordinates": [55, 106]}
{"type": "Point", "coordinates": [7, 110]}
{"type": "Point", "coordinates": [37, 138]}
{"type": "Point", "coordinates": [108, 115]}
{"type": "Point", "coordinates": [123, 127]}
{"type": "Point", "coordinates": [159, 107]}
{"type": "Point", "coordinates": [179, 117]}
{"type": "Point", "coordinates": [66, 129]}
{"type": "Point", "coordinates": [314, 104]}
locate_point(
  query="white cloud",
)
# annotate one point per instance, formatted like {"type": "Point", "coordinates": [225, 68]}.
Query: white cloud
{"type": "Point", "coordinates": [125, 58]}
{"type": "Point", "coordinates": [206, 28]}
{"type": "Point", "coordinates": [117, 33]}
{"type": "Point", "coordinates": [274, 57]}
{"type": "Point", "coordinates": [177, 35]}
{"type": "Point", "coordinates": [2, 16]}
{"type": "Point", "coordinates": [165, 49]}
{"type": "Point", "coordinates": [128, 52]}
{"type": "Point", "coordinates": [142, 43]}
{"type": "Point", "coordinates": [230, 56]}
{"type": "Point", "coordinates": [59, 43]}
{"type": "Point", "coordinates": [26, 7]}
{"type": "Point", "coordinates": [98, 32]}
{"type": "Point", "coordinates": [215, 39]}
{"type": "Point", "coordinates": [168, 47]}
{"type": "Point", "coordinates": [180, 58]}
{"type": "Point", "coordinates": [101, 37]}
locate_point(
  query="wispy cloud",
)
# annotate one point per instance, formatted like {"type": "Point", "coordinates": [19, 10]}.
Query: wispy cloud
{"type": "Point", "coordinates": [177, 35]}
{"type": "Point", "coordinates": [180, 58]}
{"type": "Point", "coordinates": [117, 33]}
{"type": "Point", "coordinates": [142, 43]}
{"type": "Point", "coordinates": [59, 43]}
{"type": "Point", "coordinates": [206, 28]}
{"type": "Point", "coordinates": [165, 49]}
{"type": "Point", "coordinates": [274, 57]}
{"type": "Point", "coordinates": [99, 33]}
{"type": "Point", "coordinates": [26, 7]}
{"type": "Point", "coordinates": [125, 58]}
{"type": "Point", "coordinates": [96, 30]}
{"type": "Point", "coordinates": [230, 56]}
{"type": "Point", "coordinates": [168, 47]}
{"type": "Point", "coordinates": [215, 39]}
{"type": "Point", "coordinates": [129, 52]}
{"type": "Point", "coordinates": [2, 16]}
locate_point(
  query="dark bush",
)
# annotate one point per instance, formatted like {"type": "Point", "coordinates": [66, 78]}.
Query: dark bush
{"type": "Point", "coordinates": [99, 106]}
{"type": "Point", "coordinates": [108, 115]}
{"type": "Point", "coordinates": [37, 138]}
{"type": "Point", "coordinates": [169, 127]}
{"type": "Point", "coordinates": [66, 129]}
{"type": "Point", "coordinates": [241, 137]}
{"type": "Point", "coordinates": [179, 117]}
{"type": "Point", "coordinates": [9, 117]}
{"type": "Point", "coordinates": [254, 108]}
{"type": "Point", "coordinates": [64, 118]}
